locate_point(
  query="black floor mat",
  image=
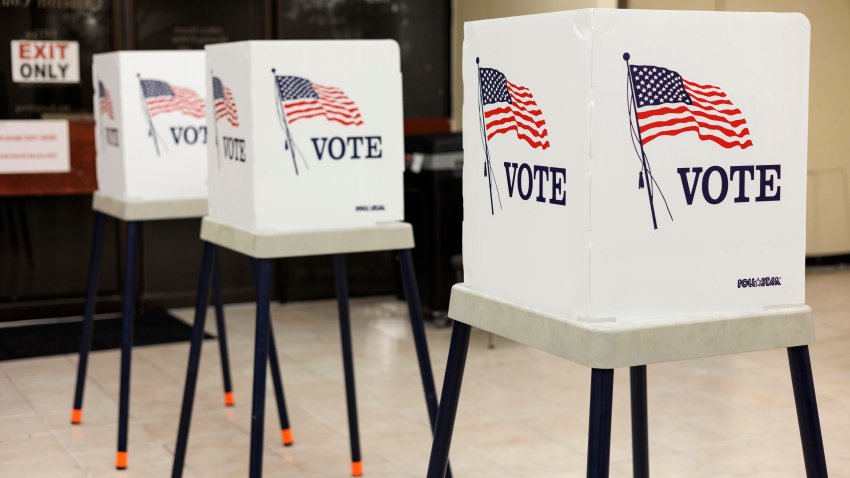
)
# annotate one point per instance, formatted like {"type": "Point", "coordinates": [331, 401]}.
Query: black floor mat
{"type": "Point", "coordinates": [151, 327]}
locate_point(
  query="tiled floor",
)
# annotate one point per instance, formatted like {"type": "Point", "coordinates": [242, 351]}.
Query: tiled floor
{"type": "Point", "coordinates": [522, 412]}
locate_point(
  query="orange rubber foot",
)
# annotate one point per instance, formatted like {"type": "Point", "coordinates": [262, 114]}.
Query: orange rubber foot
{"type": "Point", "coordinates": [228, 399]}
{"type": "Point", "coordinates": [356, 468]}
{"type": "Point", "coordinates": [286, 436]}
{"type": "Point", "coordinates": [76, 416]}
{"type": "Point", "coordinates": [121, 460]}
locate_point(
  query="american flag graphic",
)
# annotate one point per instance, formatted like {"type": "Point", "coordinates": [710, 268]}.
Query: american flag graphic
{"type": "Point", "coordinates": [511, 107]}
{"type": "Point", "coordinates": [668, 105]}
{"type": "Point", "coordinates": [164, 98]}
{"type": "Point", "coordinates": [104, 101]}
{"type": "Point", "coordinates": [225, 106]}
{"type": "Point", "coordinates": [304, 99]}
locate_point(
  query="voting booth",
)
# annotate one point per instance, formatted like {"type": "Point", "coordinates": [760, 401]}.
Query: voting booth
{"type": "Point", "coordinates": [150, 139]}
{"type": "Point", "coordinates": [306, 159]}
{"type": "Point", "coordinates": [637, 197]}
{"type": "Point", "coordinates": [307, 134]}
{"type": "Point", "coordinates": [655, 166]}
{"type": "Point", "coordinates": [151, 125]}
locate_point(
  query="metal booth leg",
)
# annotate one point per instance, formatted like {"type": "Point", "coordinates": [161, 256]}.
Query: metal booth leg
{"type": "Point", "coordinates": [128, 316]}
{"type": "Point", "coordinates": [88, 317]}
{"type": "Point", "coordinates": [640, 423]}
{"type": "Point", "coordinates": [261, 355]}
{"type": "Point", "coordinates": [599, 433]}
{"type": "Point", "coordinates": [439, 461]}
{"type": "Point", "coordinates": [277, 383]}
{"type": "Point", "coordinates": [807, 411]}
{"type": "Point", "coordinates": [277, 380]}
{"type": "Point", "coordinates": [341, 276]}
{"type": "Point", "coordinates": [414, 307]}
{"type": "Point", "coordinates": [201, 300]}
{"type": "Point", "coordinates": [222, 331]}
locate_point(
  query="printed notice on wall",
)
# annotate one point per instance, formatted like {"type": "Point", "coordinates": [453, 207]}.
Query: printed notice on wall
{"type": "Point", "coordinates": [37, 61]}
{"type": "Point", "coordinates": [34, 146]}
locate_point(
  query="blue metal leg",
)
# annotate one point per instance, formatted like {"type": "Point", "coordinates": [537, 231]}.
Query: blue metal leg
{"type": "Point", "coordinates": [414, 307]}
{"type": "Point", "coordinates": [640, 425]}
{"type": "Point", "coordinates": [341, 276]}
{"type": "Point", "coordinates": [190, 386]}
{"type": "Point", "coordinates": [277, 383]}
{"type": "Point", "coordinates": [88, 317]}
{"type": "Point", "coordinates": [128, 315]}
{"type": "Point", "coordinates": [277, 380]}
{"type": "Point", "coordinates": [599, 433]}
{"type": "Point", "coordinates": [261, 353]}
{"type": "Point", "coordinates": [222, 331]}
{"type": "Point", "coordinates": [807, 411]}
{"type": "Point", "coordinates": [439, 461]}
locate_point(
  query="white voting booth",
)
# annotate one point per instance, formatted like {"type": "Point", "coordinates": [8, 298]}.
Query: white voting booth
{"type": "Point", "coordinates": [151, 128]}
{"type": "Point", "coordinates": [634, 192]}
{"type": "Point", "coordinates": [307, 134]}
{"type": "Point", "coordinates": [655, 166]}
{"type": "Point", "coordinates": [150, 137]}
{"type": "Point", "coordinates": [305, 158]}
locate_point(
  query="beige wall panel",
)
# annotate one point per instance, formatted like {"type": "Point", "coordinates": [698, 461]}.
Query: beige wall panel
{"type": "Point", "coordinates": [828, 210]}
{"type": "Point", "coordinates": [811, 212]}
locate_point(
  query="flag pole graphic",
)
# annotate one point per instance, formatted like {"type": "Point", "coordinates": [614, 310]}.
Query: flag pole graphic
{"type": "Point", "coordinates": [488, 168]}
{"type": "Point", "coordinates": [281, 114]}
{"type": "Point", "coordinates": [215, 119]}
{"type": "Point", "coordinates": [647, 173]}
{"type": "Point", "coordinates": [152, 131]}
{"type": "Point", "coordinates": [301, 155]}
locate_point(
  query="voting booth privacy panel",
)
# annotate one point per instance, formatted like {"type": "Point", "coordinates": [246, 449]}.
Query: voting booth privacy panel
{"type": "Point", "coordinates": [150, 125]}
{"type": "Point", "coordinates": [626, 165]}
{"type": "Point", "coordinates": [305, 134]}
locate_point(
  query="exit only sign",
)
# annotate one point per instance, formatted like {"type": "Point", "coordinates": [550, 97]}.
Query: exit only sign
{"type": "Point", "coordinates": [37, 61]}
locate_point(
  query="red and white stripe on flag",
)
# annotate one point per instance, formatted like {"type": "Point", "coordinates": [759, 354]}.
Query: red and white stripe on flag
{"type": "Point", "coordinates": [711, 115]}
{"type": "Point", "coordinates": [185, 100]}
{"type": "Point", "coordinates": [332, 103]}
{"type": "Point", "coordinates": [521, 115]}
{"type": "Point", "coordinates": [226, 108]}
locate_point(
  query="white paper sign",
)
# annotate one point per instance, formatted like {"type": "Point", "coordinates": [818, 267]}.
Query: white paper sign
{"type": "Point", "coordinates": [38, 61]}
{"type": "Point", "coordinates": [34, 146]}
{"type": "Point", "coordinates": [627, 164]}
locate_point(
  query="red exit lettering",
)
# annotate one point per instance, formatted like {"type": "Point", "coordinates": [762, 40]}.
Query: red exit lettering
{"type": "Point", "coordinates": [42, 51]}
